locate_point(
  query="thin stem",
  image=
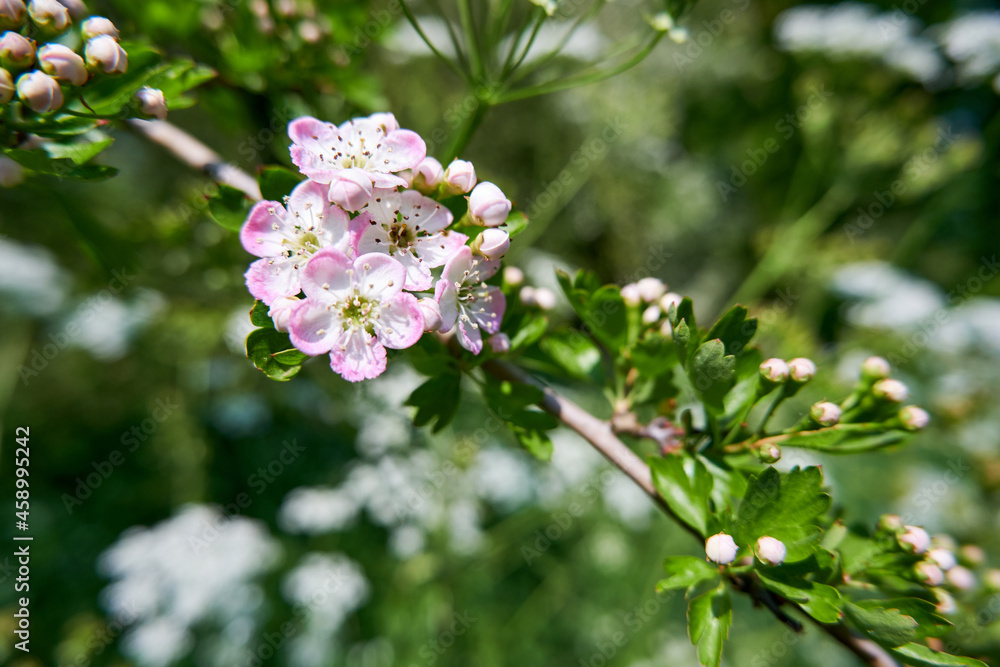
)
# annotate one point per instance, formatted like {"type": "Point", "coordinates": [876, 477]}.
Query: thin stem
{"type": "Point", "coordinates": [525, 71]}
{"type": "Point", "coordinates": [464, 135]}
{"type": "Point", "coordinates": [512, 66]}
{"type": "Point", "coordinates": [471, 39]}
{"type": "Point", "coordinates": [455, 42]}
{"type": "Point", "coordinates": [420, 31]}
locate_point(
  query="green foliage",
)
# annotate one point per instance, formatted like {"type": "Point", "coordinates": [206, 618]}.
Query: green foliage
{"type": "Point", "coordinates": [229, 207]}
{"type": "Point", "coordinates": [270, 350]}
{"type": "Point", "coordinates": [709, 618]}
{"type": "Point", "coordinates": [437, 400]}
{"type": "Point", "coordinates": [686, 486]}
{"type": "Point", "coordinates": [685, 572]}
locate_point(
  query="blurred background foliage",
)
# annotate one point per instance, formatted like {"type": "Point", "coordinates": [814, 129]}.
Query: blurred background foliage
{"type": "Point", "coordinates": [834, 168]}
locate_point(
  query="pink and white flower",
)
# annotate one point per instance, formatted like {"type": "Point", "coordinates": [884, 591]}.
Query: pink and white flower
{"type": "Point", "coordinates": [411, 228]}
{"type": "Point", "coordinates": [465, 300]}
{"type": "Point", "coordinates": [353, 159]}
{"type": "Point", "coordinates": [285, 237]}
{"type": "Point", "coordinates": [355, 310]}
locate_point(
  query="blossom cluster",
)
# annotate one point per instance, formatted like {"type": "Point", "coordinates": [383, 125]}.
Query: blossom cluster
{"type": "Point", "coordinates": [347, 261]}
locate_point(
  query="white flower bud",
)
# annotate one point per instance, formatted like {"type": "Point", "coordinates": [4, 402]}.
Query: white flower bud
{"type": "Point", "coordinates": [801, 369]}
{"type": "Point", "coordinates": [285, 8]}
{"type": "Point", "coordinates": [7, 88]}
{"type": "Point", "coordinates": [890, 390]}
{"type": "Point", "coordinates": [310, 32]}
{"type": "Point", "coordinates": [152, 102]}
{"type": "Point", "coordinates": [281, 311]}
{"type": "Point", "coordinates": [946, 603]}
{"type": "Point", "coordinates": [545, 298]}
{"type": "Point", "coordinates": [488, 206]}
{"type": "Point", "coordinates": [875, 368]}
{"type": "Point", "coordinates": [12, 13]}
{"type": "Point", "coordinates": [63, 63]}
{"type": "Point", "coordinates": [11, 173]}
{"type": "Point", "coordinates": [930, 574]}
{"type": "Point", "coordinates": [76, 8]}
{"type": "Point", "coordinates": [774, 370]}
{"type": "Point", "coordinates": [915, 539]}
{"type": "Point", "coordinates": [670, 299]}
{"type": "Point", "coordinates": [721, 549]}
{"type": "Point", "coordinates": [651, 289]}
{"type": "Point", "coordinates": [914, 418]}
{"type": "Point", "coordinates": [513, 276]}
{"type": "Point", "coordinates": [106, 55]}
{"type": "Point", "coordinates": [961, 578]}
{"type": "Point", "coordinates": [630, 294]}
{"type": "Point", "coordinates": [662, 22]}
{"type": "Point", "coordinates": [459, 177]}
{"type": "Point", "coordinates": [98, 25]}
{"type": "Point", "coordinates": [492, 243]}
{"type": "Point", "coordinates": [651, 315]}
{"type": "Point", "coordinates": [825, 413]}
{"type": "Point", "coordinates": [944, 558]}
{"type": "Point", "coordinates": [771, 550]}
{"type": "Point", "coordinates": [431, 311]}
{"type": "Point", "coordinates": [770, 453]}
{"type": "Point", "coordinates": [891, 522]}
{"type": "Point", "coordinates": [428, 175]}
{"type": "Point", "coordinates": [17, 52]}
{"type": "Point", "coordinates": [993, 579]}
{"type": "Point", "coordinates": [39, 91]}
{"type": "Point", "coordinates": [666, 329]}
{"type": "Point", "coordinates": [972, 553]}
{"type": "Point", "coordinates": [499, 343]}
{"type": "Point", "coordinates": [49, 16]}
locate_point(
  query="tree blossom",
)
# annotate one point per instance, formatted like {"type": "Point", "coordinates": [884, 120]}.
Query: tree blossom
{"type": "Point", "coordinates": [285, 237]}
{"type": "Point", "coordinates": [465, 300]}
{"type": "Point", "coordinates": [353, 159]}
{"type": "Point", "coordinates": [411, 228]}
{"type": "Point", "coordinates": [354, 310]}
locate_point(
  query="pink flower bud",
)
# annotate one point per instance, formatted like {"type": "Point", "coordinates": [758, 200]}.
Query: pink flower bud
{"type": "Point", "coordinates": [459, 177]}
{"type": "Point", "coordinates": [152, 103]}
{"type": "Point", "coordinates": [945, 603]}
{"type": "Point", "coordinates": [12, 13]}
{"type": "Point", "coordinates": [488, 206]}
{"type": "Point", "coordinates": [973, 553]}
{"type": "Point", "coordinates": [39, 91]}
{"type": "Point", "coordinates": [913, 418]}
{"type": "Point", "coordinates": [651, 289]}
{"type": "Point", "coordinates": [631, 295]}
{"type": "Point", "coordinates": [651, 315]}
{"type": "Point", "coordinates": [492, 243]}
{"type": "Point", "coordinates": [545, 298]}
{"type": "Point", "coordinates": [76, 8]}
{"type": "Point", "coordinates": [17, 52]}
{"type": "Point", "coordinates": [513, 276]}
{"type": "Point", "coordinates": [891, 522]}
{"type": "Point", "coordinates": [7, 89]}
{"type": "Point", "coordinates": [944, 558]}
{"type": "Point", "coordinates": [961, 578]}
{"type": "Point", "coordinates": [106, 55]}
{"type": "Point", "coordinates": [721, 549]}
{"type": "Point", "coordinates": [774, 370]}
{"type": "Point", "coordinates": [98, 25]}
{"type": "Point", "coordinates": [875, 368]}
{"type": "Point", "coordinates": [771, 551]}
{"type": "Point", "coordinates": [63, 63]}
{"type": "Point", "coordinates": [432, 314]}
{"type": "Point", "coordinates": [930, 574]}
{"type": "Point", "coordinates": [310, 32]}
{"type": "Point", "coordinates": [670, 299]}
{"type": "Point", "coordinates": [801, 369]}
{"type": "Point", "coordinates": [915, 539]}
{"type": "Point", "coordinates": [770, 453]}
{"type": "Point", "coordinates": [11, 173]}
{"type": "Point", "coordinates": [281, 311]}
{"type": "Point", "coordinates": [49, 16]}
{"type": "Point", "coordinates": [890, 390]}
{"type": "Point", "coordinates": [499, 343]}
{"type": "Point", "coordinates": [427, 175]}
{"type": "Point", "coordinates": [825, 413]}
{"type": "Point", "coordinates": [993, 579]}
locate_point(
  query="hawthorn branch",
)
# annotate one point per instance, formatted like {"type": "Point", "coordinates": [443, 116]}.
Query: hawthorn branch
{"type": "Point", "coordinates": [597, 432]}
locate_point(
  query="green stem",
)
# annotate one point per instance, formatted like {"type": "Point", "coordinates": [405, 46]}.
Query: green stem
{"type": "Point", "coordinates": [521, 73]}
{"type": "Point", "coordinates": [420, 31]}
{"type": "Point", "coordinates": [471, 39]}
{"type": "Point", "coordinates": [455, 42]}
{"type": "Point", "coordinates": [464, 135]}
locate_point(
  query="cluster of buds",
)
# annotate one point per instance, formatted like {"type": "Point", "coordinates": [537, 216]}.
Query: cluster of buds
{"type": "Point", "coordinates": [294, 21]}
{"type": "Point", "coordinates": [722, 549]}
{"type": "Point", "coordinates": [778, 371]}
{"type": "Point", "coordinates": [42, 76]}
{"type": "Point", "coordinates": [652, 296]}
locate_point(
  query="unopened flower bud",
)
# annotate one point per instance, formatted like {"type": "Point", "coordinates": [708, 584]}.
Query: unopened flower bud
{"type": "Point", "coordinates": [513, 276]}
{"type": "Point", "coordinates": [631, 295]}
{"type": "Point", "coordinates": [930, 574]}
{"type": "Point", "coordinates": [76, 8]}
{"type": "Point", "coordinates": [670, 299]}
{"type": "Point", "coordinates": [944, 558]}
{"type": "Point", "coordinates": [281, 311]}
{"type": "Point", "coordinates": [106, 55]}
{"type": "Point", "coordinates": [913, 418]}
{"type": "Point", "coordinates": [890, 390]}
{"type": "Point", "coordinates": [63, 63]}
{"type": "Point", "coordinates": [11, 173]}
{"type": "Point", "coordinates": [7, 89]}
{"type": "Point", "coordinates": [721, 549]}
{"type": "Point", "coordinates": [915, 539]}
{"type": "Point", "coordinates": [891, 522]}
{"type": "Point", "coordinates": [973, 554]}
{"type": "Point", "coordinates": [12, 13]}
{"type": "Point", "coordinates": [769, 453]}
{"type": "Point", "coordinates": [459, 178]}
{"type": "Point", "coordinates": [310, 32]}
{"type": "Point", "coordinates": [774, 370]}
{"type": "Point", "coordinates": [428, 175]}
{"type": "Point", "coordinates": [491, 243]}
{"type": "Point", "coordinates": [39, 91]}
{"type": "Point", "coordinates": [152, 102]}
{"type": "Point", "coordinates": [499, 343]}
{"type": "Point", "coordinates": [801, 369]}
{"type": "Point", "coordinates": [992, 578]}
{"type": "Point", "coordinates": [945, 603]}
{"type": "Point", "coordinates": [17, 52]}
{"type": "Point", "coordinates": [431, 311]}
{"type": "Point", "coordinates": [545, 298]}
{"type": "Point", "coordinates": [666, 329]}
{"type": "Point", "coordinates": [875, 368]}
{"type": "Point", "coordinates": [488, 206]}
{"type": "Point", "coordinates": [651, 289]}
{"type": "Point", "coordinates": [825, 413]}
{"type": "Point", "coordinates": [662, 22]}
{"type": "Point", "coordinates": [961, 578]}
{"type": "Point", "coordinates": [98, 25]}
{"type": "Point", "coordinates": [49, 16]}
{"type": "Point", "coordinates": [651, 315]}
{"type": "Point", "coordinates": [771, 551]}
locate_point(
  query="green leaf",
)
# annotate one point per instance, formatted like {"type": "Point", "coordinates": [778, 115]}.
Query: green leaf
{"type": "Point", "coordinates": [712, 373]}
{"type": "Point", "coordinates": [888, 627]}
{"type": "Point", "coordinates": [529, 332]}
{"type": "Point", "coordinates": [820, 601]}
{"type": "Point", "coordinates": [685, 572]}
{"type": "Point", "coordinates": [800, 541]}
{"type": "Point", "coordinates": [436, 400]}
{"type": "Point", "coordinates": [40, 162]}
{"type": "Point", "coordinates": [709, 618]}
{"type": "Point", "coordinates": [516, 223]}
{"type": "Point", "coordinates": [734, 329]}
{"type": "Point", "coordinates": [687, 494]}
{"type": "Point", "coordinates": [229, 207]}
{"type": "Point", "coordinates": [272, 352]}
{"type": "Point", "coordinates": [259, 316]}
{"type": "Point", "coordinates": [177, 78]}
{"type": "Point", "coordinates": [653, 355]}
{"type": "Point", "coordinates": [918, 655]}
{"type": "Point", "coordinates": [78, 152]}
{"type": "Point", "coordinates": [276, 182]}
{"type": "Point", "coordinates": [846, 439]}
{"type": "Point", "coordinates": [775, 501]}
{"type": "Point", "coordinates": [928, 623]}
{"type": "Point", "coordinates": [605, 317]}
{"type": "Point", "coordinates": [536, 441]}
{"type": "Point", "coordinates": [574, 353]}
